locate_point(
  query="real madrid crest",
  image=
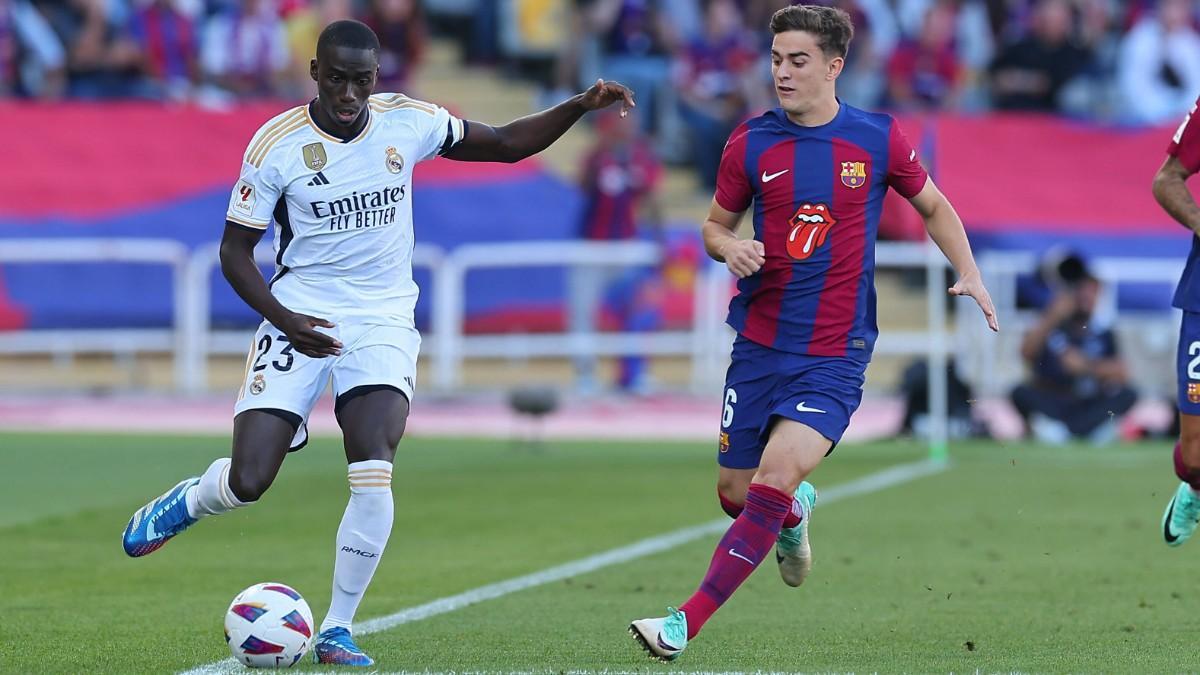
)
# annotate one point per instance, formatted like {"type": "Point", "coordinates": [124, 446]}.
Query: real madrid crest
{"type": "Point", "coordinates": [314, 156]}
{"type": "Point", "coordinates": [258, 385]}
{"type": "Point", "coordinates": [395, 163]}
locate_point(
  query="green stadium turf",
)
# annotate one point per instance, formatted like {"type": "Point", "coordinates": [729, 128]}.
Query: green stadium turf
{"type": "Point", "coordinates": [1016, 558]}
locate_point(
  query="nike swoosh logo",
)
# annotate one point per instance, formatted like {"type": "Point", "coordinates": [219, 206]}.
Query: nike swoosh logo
{"type": "Point", "coordinates": [800, 407]}
{"type": "Point", "coordinates": [1167, 524]}
{"type": "Point", "coordinates": [664, 646]}
{"type": "Point", "coordinates": [912, 154]}
{"type": "Point", "coordinates": [739, 555]}
{"type": "Point", "coordinates": [768, 177]}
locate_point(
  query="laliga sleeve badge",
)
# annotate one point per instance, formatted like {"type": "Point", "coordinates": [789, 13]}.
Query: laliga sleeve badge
{"type": "Point", "coordinates": [244, 201]}
{"type": "Point", "coordinates": [395, 163]}
{"type": "Point", "coordinates": [258, 385]}
{"type": "Point", "coordinates": [1193, 392]}
{"type": "Point", "coordinates": [314, 156]}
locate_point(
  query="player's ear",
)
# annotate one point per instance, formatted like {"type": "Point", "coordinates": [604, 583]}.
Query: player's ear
{"type": "Point", "coordinates": [835, 67]}
{"type": "Point", "coordinates": [312, 69]}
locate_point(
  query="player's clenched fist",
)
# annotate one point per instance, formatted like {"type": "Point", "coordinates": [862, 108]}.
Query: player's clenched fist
{"type": "Point", "coordinates": [744, 257]}
{"type": "Point", "coordinates": [300, 330]}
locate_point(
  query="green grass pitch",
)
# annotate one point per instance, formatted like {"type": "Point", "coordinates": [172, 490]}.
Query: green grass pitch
{"type": "Point", "coordinates": [1016, 558]}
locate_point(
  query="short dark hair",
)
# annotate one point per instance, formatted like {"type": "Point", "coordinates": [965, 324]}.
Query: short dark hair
{"type": "Point", "coordinates": [348, 33]}
{"type": "Point", "coordinates": [831, 26]}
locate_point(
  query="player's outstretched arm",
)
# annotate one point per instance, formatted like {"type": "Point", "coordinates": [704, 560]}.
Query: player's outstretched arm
{"type": "Point", "coordinates": [743, 257]}
{"type": "Point", "coordinates": [531, 134]}
{"type": "Point", "coordinates": [946, 230]}
{"type": "Point", "coordinates": [1170, 190]}
{"type": "Point", "coordinates": [239, 268]}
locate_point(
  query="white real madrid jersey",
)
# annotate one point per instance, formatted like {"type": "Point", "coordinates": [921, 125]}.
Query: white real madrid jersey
{"type": "Point", "coordinates": [342, 209]}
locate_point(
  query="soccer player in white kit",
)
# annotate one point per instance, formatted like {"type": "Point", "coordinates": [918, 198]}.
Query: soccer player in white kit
{"type": "Point", "coordinates": [336, 177]}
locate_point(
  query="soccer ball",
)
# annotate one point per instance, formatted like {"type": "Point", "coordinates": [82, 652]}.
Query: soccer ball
{"type": "Point", "coordinates": [269, 626]}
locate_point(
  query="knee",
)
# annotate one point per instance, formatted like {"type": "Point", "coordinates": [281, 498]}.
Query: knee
{"type": "Point", "coordinates": [248, 483]}
{"type": "Point", "coordinates": [784, 481]}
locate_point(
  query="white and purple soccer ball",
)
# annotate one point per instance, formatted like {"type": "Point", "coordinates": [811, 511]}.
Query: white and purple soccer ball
{"type": "Point", "coordinates": [269, 626]}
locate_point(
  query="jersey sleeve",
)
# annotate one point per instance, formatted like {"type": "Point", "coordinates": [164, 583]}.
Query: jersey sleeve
{"type": "Point", "coordinates": [441, 132]}
{"type": "Point", "coordinates": [904, 172]}
{"type": "Point", "coordinates": [734, 192]}
{"type": "Point", "coordinates": [255, 195]}
{"type": "Point", "coordinates": [1185, 144]}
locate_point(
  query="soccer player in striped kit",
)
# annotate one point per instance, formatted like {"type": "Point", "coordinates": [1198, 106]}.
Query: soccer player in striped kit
{"type": "Point", "coordinates": [1170, 190]}
{"type": "Point", "coordinates": [813, 173]}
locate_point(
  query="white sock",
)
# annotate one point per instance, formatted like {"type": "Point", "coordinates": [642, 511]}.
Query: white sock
{"type": "Point", "coordinates": [213, 495]}
{"type": "Point", "coordinates": [361, 538]}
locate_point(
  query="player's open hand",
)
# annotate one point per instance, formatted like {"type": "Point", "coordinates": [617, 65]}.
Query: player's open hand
{"type": "Point", "coordinates": [300, 330]}
{"type": "Point", "coordinates": [603, 94]}
{"type": "Point", "coordinates": [972, 285]}
{"type": "Point", "coordinates": [744, 257]}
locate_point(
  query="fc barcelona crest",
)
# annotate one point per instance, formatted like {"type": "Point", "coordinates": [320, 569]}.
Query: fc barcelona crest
{"type": "Point", "coordinates": [315, 159]}
{"type": "Point", "coordinates": [1193, 392]}
{"type": "Point", "coordinates": [854, 174]}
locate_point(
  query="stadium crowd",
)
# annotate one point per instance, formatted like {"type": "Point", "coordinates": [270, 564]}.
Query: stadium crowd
{"type": "Point", "coordinates": [699, 63]}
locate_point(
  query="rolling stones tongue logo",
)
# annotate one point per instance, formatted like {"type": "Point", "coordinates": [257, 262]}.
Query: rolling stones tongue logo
{"type": "Point", "coordinates": [810, 227]}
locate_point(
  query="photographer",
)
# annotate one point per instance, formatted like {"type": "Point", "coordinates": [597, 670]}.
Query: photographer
{"type": "Point", "coordinates": [1079, 384]}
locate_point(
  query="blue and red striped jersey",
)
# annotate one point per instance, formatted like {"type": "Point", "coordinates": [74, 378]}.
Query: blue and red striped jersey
{"type": "Point", "coordinates": [817, 193]}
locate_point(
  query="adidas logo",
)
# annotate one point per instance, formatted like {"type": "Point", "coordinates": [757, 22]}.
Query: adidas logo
{"type": "Point", "coordinates": [319, 179]}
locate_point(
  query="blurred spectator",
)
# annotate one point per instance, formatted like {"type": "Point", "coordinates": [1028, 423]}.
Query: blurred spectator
{"type": "Point", "coordinates": [302, 23]}
{"type": "Point", "coordinates": [400, 25]}
{"type": "Point", "coordinates": [635, 42]}
{"type": "Point", "coordinates": [167, 38]}
{"type": "Point", "coordinates": [713, 77]}
{"type": "Point", "coordinates": [32, 58]}
{"type": "Point", "coordinates": [102, 60]}
{"type": "Point", "coordinates": [1158, 69]}
{"type": "Point", "coordinates": [1080, 382]}
{"type": "Point", "coordinates": [245, 52]}
{"type": "Point", "coordinates": [620, 177]}
{"type": "Point", "coordinates": [862, 82]}
{"type": "Point", "coordinates": [1029, 73]}
{"type": "Point", "coordinates": [925, 73]}
{"type": "Point", "coordinates": [972, 39]}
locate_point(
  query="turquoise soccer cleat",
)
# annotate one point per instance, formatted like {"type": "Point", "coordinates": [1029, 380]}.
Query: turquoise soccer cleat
{"type": "Point", "coordinates": [154, 524]}
{"type": "Point", "coordinates": [792, 550]}
{"type": "Point", "coordinates": [336, 645]}
{"type": "Point", "coordinates": [663, 638]}
{"type": "Point", "coordinates": [1179, 521]}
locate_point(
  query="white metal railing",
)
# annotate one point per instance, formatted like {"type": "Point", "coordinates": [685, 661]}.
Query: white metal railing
{"type": "Point", "coordinates": [199, 339]}
{"type": "Point", "coordinates": [451, 345]}
{"type": "Point", "coordinates": [163, 252]}
{"type": "Point", "coordinates": [992, 362]}
{"type": "Point", "coordinates": [192, 339]}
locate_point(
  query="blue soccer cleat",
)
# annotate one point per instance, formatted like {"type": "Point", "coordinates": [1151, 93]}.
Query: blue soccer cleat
{"type": "Point", "coordinates": [1179, 521]}
{"type": "Point", "coordinates": [792, 550]}
{"type": "Point", "coordinates": [155, 523]}
{"type": "Point", "coordinates": [663, 638]}
{"type": "Point", "coordinates": [336, 645]}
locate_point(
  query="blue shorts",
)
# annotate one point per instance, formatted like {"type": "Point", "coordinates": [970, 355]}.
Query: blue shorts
{"type": "Point", "coordinates": [821, 392]}
{"type": "Point", "coordinates": [1187, 364]}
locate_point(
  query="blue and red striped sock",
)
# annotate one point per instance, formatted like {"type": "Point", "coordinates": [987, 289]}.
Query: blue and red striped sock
{"type": "Point", "coordinates": [746, 544]}
{"type": "Point", "coordinates": [733, 510]}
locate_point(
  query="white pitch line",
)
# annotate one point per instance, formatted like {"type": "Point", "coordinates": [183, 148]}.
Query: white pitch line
{"type": "Point", "coordinates": [874, 482]}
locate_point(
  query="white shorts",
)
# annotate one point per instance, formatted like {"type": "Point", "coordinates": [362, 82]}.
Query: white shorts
{"type": "Point", "coordinates": [280, 378]}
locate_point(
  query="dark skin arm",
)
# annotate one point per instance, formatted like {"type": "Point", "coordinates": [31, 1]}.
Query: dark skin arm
{"type": "Point", "coordinates": [239, 268]}
{"type": "Point", "coordinates": [1171, 192]}
{"type": "Point", "coordinates": [531, 134]}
